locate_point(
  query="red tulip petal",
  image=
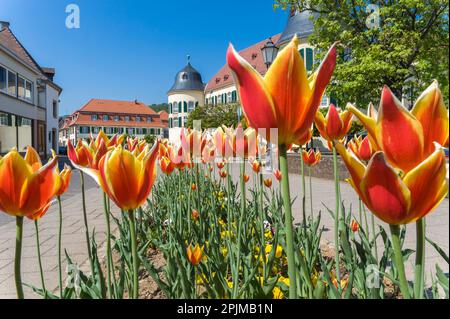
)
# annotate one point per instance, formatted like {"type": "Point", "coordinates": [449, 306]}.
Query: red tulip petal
{"type": "Point", "coordinates": [400, 134]}
{"type": "Point", "coordinates": [257, 103]}
{"type": "Point", "coordinates": [385, 193]}
{"type": "Point", "coordinates": [428, 185]}
{"type": "Point", "coordinates": [430, 110]}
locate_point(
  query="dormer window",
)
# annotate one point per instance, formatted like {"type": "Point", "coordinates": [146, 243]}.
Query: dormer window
{"type": "Point", "coordinates": [138, 119]}
{"type": "Point", "coordinates": [254, 56]}
{"type": "Point", "coordinates": [117, 118]}
{"type": "Point", "coordinates": [94, 117]}
{"type": "Point", "coordinates": [127, 118]}
{"type": "Point", "coordinates": [105, 118]}
{"type": "Point", "coordinates": [217, 80]}
{"type": "Point", "coordinates": [226, 77]}
{"type": "Point", "coordinates": [184, 76]}
{"type": "Point", "coordinates": [149, 119]}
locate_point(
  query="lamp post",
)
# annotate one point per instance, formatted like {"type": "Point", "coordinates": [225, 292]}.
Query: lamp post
{"type": "Point", "coordinates": [270, 52]}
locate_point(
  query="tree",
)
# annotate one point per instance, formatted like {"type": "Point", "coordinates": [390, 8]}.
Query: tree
{"type": "Point", "coordinates": [213, 116]}
{"type": "Point", "coordinates": [400, 43]}
{"type": "Point", "coordinates": [160, 107]}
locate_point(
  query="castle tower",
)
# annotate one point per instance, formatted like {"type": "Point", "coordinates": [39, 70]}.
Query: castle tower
{"type": "Point", "coordinates": [185, 95]}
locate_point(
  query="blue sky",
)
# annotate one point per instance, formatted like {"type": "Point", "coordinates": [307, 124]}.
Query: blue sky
{"type": "Point", "coordinates": [130, 50]}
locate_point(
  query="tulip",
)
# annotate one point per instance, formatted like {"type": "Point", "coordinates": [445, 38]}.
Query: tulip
{"type": "Point", "coordinates": [278, 175]}
{"type": "Point", "coordinates": [406, 137]}
{"type": "Point", "coordinates": [268, 183]}
{"type": "Point", "coordinates": [354, 226]}
{"type": "Point", "coordinates": [26, 188]}
{"type": "Point", "coordinates": [195, 214]}
{"type": "Point", "coordinates": [166, 165]}
{"type": "Point", "coordinates": [246, 178]}
{"type": "Point", "coordinates": [223, 142]}
{"type": "Point", "coordinates": [243, 143]}
{"type": "Point", "coordinates": [399, 199]}
{"type": "Point", "coordinates": [194, 187]}
{"type": "Point", "coordinates": [335, 126]}
{"type": "Point", "coordinates": [195, 254]}
{"type": "Point", "coordinates": [193, 143]}
{"type": "Point", "coordinates": [362, 148]}
{"type": "Point", "coordinates": [223, 174]}
{"type": "Point", "coordinates": [311, 158]}
{"type": "Point", "coordinates": [256, 166]}
{"type": "Point", "coordinates": [285, 98]}
{"type": "Point", "coordinates": [221, 165]}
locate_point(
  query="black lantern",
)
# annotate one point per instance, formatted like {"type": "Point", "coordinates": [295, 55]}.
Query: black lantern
{"type": "Point", "coordinates": [269, 51]}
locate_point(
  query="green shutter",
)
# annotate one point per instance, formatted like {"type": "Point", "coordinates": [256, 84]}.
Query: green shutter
{"type": "Point", "coordinates": [185, 107]}
{"type": "Point", "coordinates": [302, 53]}
{"type": "Point", "coordinates": [309, 59]}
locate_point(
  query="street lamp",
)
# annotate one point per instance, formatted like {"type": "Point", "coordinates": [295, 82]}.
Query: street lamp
{"type": "Point", "coordinates": [269, 51]}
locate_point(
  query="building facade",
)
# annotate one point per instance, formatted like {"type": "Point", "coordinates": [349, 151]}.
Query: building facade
{"type": "Point", "coordinates": [113, 117]}
{"type": "Point", "coordinates": [29, 99]}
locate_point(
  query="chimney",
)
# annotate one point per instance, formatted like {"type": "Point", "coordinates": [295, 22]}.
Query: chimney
{"type": "Point", "coordinates": [3, 25]}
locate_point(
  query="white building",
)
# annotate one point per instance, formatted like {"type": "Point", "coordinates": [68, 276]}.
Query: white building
{"type": "Point", "coordinates": [29, 99]}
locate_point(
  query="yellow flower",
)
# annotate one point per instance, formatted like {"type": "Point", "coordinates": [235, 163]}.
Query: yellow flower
{"type": "Point", "coordinates": [224, 251]}
{"type": "Point", "coordinates": [284, 280]}
{"type": "Point", "coordinates": [277, 293]}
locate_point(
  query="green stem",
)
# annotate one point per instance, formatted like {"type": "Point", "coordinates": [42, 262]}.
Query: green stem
{"type": "Point", "coordinates": [240, 231]}
{"type": "Point", "coordinates": [59, 249]}
{"type": "Point", "coordinates": [311, 195]}
{"type": "Point", "coordinates": [398, 260]}
{"type": "Point", "coordinates": [420, 259]}
{"type": "Point", "coordinates": [263, 218]}
{"type": "Point", "coordinates": [108, 244]}
{"type": "Point", "coordinates": [288, 222]}
{"type": "Point", "coordinates": [86, 225]}
{"type": "Point", "coordinates": [303, 191]}
{"type": "Point", "coordinates": [18, 256]}
{"type": "Point", "coordinates": [337, 213]}
{"type": "Point", "coordinates": [374, 237]}
{"type": "Point", "coordinates": [135, 292]}
{"type": "Point", "coordinates": [41, 272]}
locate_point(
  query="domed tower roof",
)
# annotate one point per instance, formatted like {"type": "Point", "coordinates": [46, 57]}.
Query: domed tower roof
{"type": "Point", "coordinates": [299, 23]}
{"type": "Point", "coordinates": [188, 79]}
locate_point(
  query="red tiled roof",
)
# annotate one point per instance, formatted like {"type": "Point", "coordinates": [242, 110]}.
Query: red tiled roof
{"type": "Point", "coordinates": [252, 55]}
{"type": "Point", "coordinates": [117, 107]}
{"type": "Point", "coordinates": [9, 40]}
{"type": "Point", "coordinates": [163, 115]}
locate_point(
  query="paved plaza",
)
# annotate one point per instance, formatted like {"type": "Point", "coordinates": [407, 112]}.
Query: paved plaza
{"type": "Point", "coordinates": [74, 237]}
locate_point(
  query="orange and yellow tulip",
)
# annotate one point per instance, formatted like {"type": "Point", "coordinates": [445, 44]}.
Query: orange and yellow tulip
{"type": "Point", "coordinates": [278, 175]}
{"type": "Point", "coordinates": [167, 167]}
{"type": "Point", "coordinates": [398, 199]}
{"type": "Point", "coordinates": [256, 166]}
{"type": "Point", "coordinates": [80, 156]}
{"type": "Point", "coordinates": [126, 178]}
{"type": "Point", "coordinates": [311, 158]}
{"type": "Point", "coordinates": [335, 126]}
{"type": "Point", "coordinates": [362, 148]}
{"type": "Point", "coordinates": [195, 254]}
{"type": "Point", "coordinates": [26, 186]}
{"type": "Point", "coordinates": [268, 183]}
{"type": "Point", "coordinates": [354, 226]}
{"type": "Point", "coordinates": [407, 138]}
{"type": "Point", "coordinates": [285, 98]}
{"type": "Point", "coordinates": [65, 177]}
{"type": "Point", "coordinates": [243, 143]}
{"type": "Point", "coordinates": [246, 178]}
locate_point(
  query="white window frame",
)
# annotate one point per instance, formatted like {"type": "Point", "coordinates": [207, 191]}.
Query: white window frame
{"type": "Point", "coordinates": [25, 81]}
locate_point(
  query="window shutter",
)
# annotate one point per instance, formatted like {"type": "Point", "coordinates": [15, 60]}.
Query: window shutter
{"type": "Point", "coordinates": [309, 59]}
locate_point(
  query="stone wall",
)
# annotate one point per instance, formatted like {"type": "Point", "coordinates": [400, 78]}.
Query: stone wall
{"type": "Point", "coordinates": [323, 170]}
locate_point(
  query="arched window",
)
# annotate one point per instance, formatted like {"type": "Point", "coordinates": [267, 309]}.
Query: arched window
{"type": "Point", "coordinates": [170, 108]}
{"type": "Point", "coordinates": [174, 108]}
{"type": "Point", "coordinates": [170, 123]}
{"type": "Point", "coordinates": [180, 107]}
{"type": "Point", "coordinates": [190, 106]}
{"type": "Point", "coordinates": [309, 59]}
{"type": "Point", "coordinates": [185, 109]}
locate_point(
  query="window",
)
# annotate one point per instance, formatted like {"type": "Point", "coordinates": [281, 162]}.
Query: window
{"type": "Point", "coordinates": [21, 87]}
{"type": "Point", "coordinates": [170, 123]}
{"type": "Point", "coordinates": [130, 131]}
{"type": "Point", "coordinates": [109, 130]}
{"type": "Point", "coordinates": [138, 119]}
{"type": "Point", "coordinates": [117, 118]}
{"type": "Point", "coordinates": [29, 92]}
{"type": "Point", "coordinates": [185, 109]}
{"type": "Point", "coordinates": [12, 83]}
{"type": "Point", "coordinates": [170, 108]}
{"type": "Point", "coordinates": [94, 117]}
{"type": "Point", "coordinates": [105, 118]}
{"type": "Point", "coordinates": [190, 107]}
{"type": "Point", "coordinates": [180, 107]}
{"type": "Point", "coordinates": [309, 59]}
{"type": "Point", "coordinates": [55, 109]}
{"type": "Point", "coordinates": [149, 119]}
{"type": "Point", "coordinates": [324, 102]}
{"type": "Point", "coordinates": [234, 97]}
{"type": "Point", "coordinates": [127, 119]}
{"type": "Point", "coordinates": [175, 108]}
{"type": "Point", "coordinates": [2, 79]}
{"type": "Point", "coordinates": [84, 129]}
